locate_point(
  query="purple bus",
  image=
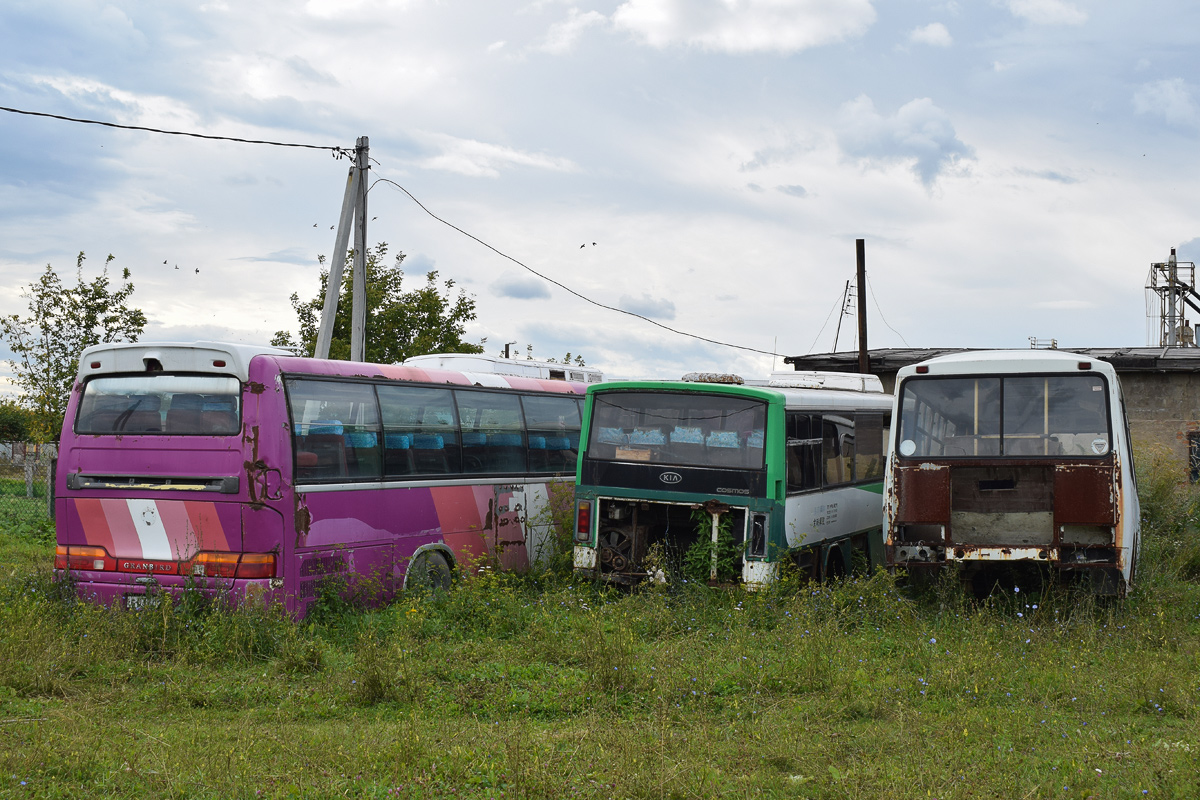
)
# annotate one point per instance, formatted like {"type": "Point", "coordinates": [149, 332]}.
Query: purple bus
{"type": "Point", "coordinates": [247, 470]}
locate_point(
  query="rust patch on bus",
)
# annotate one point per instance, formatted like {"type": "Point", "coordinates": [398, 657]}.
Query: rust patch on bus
{"type": "Point", "coordinates": [256, 388]}
{"type": "Point", "coordinates": [303, 517]}
{"type": "Point", "coordinates": [1085, 494]}
{"type": "Point", "coordinates": [923, 493]}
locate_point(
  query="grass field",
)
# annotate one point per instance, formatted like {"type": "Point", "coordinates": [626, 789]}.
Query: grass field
{"type": "Point", "coordinates": [510, 687]}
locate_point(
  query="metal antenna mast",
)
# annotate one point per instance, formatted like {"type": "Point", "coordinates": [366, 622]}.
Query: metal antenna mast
{"type": "Point", "coordinates": [1170, 290]}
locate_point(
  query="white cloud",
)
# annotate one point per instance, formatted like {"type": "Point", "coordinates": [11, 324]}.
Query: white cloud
{"type": "Point", "coordinates": [934, 34]}
{"type": "Point", "coordinates": [562, 36]}
{"type": "Point", "coordinates": [920, 132]}
{"type": "Point", "coordinates": [1171, 99]}
{"type": "Point", "coordinates": [648, 306]}
{"type": "Point", "coordinates": [747, 26]}
{"type": "Point", "coordinates": [1046, 12]}
{"type": "Point", "coordinates": [483, 160]}
{"type": "Point", "coordinates": [520, 287]}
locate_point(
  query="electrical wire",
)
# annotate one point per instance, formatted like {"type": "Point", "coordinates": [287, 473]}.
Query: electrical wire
{"type": "Point", "coordinates": [838, 304]}
{"type": "Point", "coordinates": [565, 288]}
{"type": "Point", "coordinates": [338, 152]}
{"type": "Point", "coordinates": [878, 309]}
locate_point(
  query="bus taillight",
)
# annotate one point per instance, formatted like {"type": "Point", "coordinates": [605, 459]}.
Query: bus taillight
{"type": "Point", "coordinates": [213, 565]}
{"type": "Point", "coordinates": [231, 565]}
{"type": "Point", "coordinates": [583, 521]}
{"type": "Point", "coordinates": [256, 565]}
{"type": "Point", "coordinates": [82, 557]}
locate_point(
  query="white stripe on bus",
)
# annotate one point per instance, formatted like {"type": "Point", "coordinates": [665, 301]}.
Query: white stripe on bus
{"type": "Point", "coordinates": [150, 530]}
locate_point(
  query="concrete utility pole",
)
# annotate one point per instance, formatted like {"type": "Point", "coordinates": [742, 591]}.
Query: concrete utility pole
{"type": "Point", "coordinates": [356, 194]}
{"type": "Point", "coordinates": [864, 360]}
{"type": "Point", "coordinates": [358, 323]}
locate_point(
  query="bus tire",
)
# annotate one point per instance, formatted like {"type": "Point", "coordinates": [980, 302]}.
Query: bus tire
{"type": "Point", "coordinates": [428, 571]}
{"type": "Point", "coordinates": [835, 564]}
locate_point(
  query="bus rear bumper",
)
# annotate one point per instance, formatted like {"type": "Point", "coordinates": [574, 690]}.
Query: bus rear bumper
{"type": "Point", "coordinates": [585, 558]}
{"type": "Point", "coordinates": [139, 591]}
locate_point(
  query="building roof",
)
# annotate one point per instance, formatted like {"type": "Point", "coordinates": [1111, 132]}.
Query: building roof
{"type": "Point", "coordinates": [890, 360]}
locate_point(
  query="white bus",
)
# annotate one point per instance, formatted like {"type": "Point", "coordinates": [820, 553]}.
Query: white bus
{"type": "Point", "coordinates": [1003, 458]}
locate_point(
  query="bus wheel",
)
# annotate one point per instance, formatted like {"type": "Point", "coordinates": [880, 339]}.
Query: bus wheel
{"type": "Point", "coordinates": [835, 566]}
{"type": "Point", "coordinates": [428, 571]}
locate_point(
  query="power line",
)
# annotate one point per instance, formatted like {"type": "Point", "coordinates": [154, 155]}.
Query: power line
{"type": "Point", "coordinates": [875, 298]}
{"type": "Point", "coordinates": [837, 304]}
{"type": "Point", "coordinates": [338, 152]}
{"type": "Point", "coordinates": [568, 289]}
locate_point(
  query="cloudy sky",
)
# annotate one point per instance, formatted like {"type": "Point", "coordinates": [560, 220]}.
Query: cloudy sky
{"type": "Point", "coordinates": [1013, 165]}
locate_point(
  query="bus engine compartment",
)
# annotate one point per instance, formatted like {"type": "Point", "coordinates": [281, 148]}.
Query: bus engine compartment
{"type": "Point", "coordinates": [640, 539]}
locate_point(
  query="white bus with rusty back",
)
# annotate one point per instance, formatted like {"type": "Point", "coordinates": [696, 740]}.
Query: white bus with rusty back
{"type": "Point", "coordinates": [1005, 459]}
{"type": "Point", "coordinates": [788, 470]}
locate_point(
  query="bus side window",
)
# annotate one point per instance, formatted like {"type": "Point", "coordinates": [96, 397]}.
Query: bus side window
{"type": "Point", "coordinates": [869, 446]}
{"type": "Point", "coordinates": [553, 424]}
{"type": "Point", "coordinates": [803, 451]}
{"type": "Point", "coordinates": [336, 433]}
{"type": "Point", "coordinates": [837, 450]}
{"type": "Point", "coordinates": [420, 431]}
{"type": "Point", "coordinates": [493, 432]}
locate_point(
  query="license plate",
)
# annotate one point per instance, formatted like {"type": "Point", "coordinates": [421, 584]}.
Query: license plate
{"type": "Point", "coordinates": [137, 602]}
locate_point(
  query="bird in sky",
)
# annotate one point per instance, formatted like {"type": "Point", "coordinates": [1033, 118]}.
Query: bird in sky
{"type": "Point", "coordinates": [164, 261]}
{"type": "Point", "coordinates": [176, 266]}
{"type": "Point", "coordinates": [197, 270]}
{"type": "Point", "coordinates": [583, 245]}
{"type": "Point", "coordinates": [314, 224]}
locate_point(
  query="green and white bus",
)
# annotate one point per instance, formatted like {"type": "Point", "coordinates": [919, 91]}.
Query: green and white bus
{"type": "Point", "coordinates": [709, 472]}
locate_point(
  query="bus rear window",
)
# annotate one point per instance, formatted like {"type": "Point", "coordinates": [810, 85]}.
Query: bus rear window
{"type": "Point", "coordinates": [1016, 416]}
{"type": "Point", "coordinates": [676, 428]}
{"type": "Point", "coordinates": [161, 404]}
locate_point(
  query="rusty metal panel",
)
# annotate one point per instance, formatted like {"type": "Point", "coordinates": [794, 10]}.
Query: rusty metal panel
{"type": "Point", "coordinates": [923, 494]}
{"type": "Point", "coordinates": [1085, 494]}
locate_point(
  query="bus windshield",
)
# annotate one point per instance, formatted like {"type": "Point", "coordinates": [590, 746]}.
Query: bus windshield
{"type": "Point", "coordinates": [161, 403]}
{"type": "Point", "coordinates": [678, 428]}
{"type": "Point", "coordinates": [1017, 416]}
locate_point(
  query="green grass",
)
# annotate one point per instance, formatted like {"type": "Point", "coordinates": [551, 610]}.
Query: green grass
{"type": "Point", "coordinates": [520, 688]}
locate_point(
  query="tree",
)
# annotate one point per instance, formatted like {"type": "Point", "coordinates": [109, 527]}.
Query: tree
{"type": "Point", "coordinates": [399, 324]}
{"type": "Point", "coordinates": [62, 322]}
{"type": "Point", "coordinates": [16, 422]}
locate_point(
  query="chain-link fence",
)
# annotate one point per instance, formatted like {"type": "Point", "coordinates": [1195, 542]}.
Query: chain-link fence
{"type": "Point", "coordinates": [27, 485]}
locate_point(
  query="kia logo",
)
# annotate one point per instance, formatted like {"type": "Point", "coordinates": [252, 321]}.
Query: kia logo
{"type": "Point", "coordinates": [670, 477]}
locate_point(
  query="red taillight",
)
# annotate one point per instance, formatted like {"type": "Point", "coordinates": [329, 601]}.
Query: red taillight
{"type": "Point", "coordinates": [583, 521]}
{"type": "Point", "coordinates": [1085, 365]}
{"type": "Point", "coordinates": [87, 557]}
{"type": "Point", "coordinates": [921, 370]}
{"type": "Point", "coordinates": [218, 363]}
{"type": "Point", "coordinates": [213, 565]}
{"type": "Point", "coordinates": [231, 565]}
{"type": "Point", "coordinates": [256, 565]}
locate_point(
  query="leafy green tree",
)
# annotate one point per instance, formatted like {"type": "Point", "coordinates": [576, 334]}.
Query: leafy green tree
{"type": "Point", "coordinates": [16, 422]}
{"type": "Point", "coordinates": [399, 324]}
{"type": "Point", "coordinates": [62, 322]}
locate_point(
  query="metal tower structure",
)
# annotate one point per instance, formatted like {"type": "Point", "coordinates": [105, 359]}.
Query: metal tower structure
{"type": "Point", "coordinates": [1170, 291]}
